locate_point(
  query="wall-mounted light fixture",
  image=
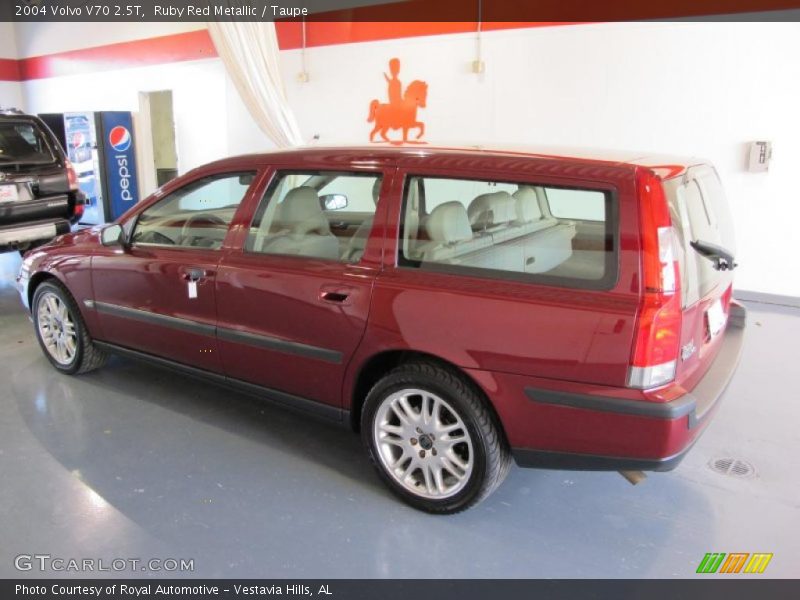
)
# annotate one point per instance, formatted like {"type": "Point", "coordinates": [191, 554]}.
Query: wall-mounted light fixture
{"type": "Point", "coordinates": [478, 66]}
{"type": "Point", "coordinates": [302, 76]}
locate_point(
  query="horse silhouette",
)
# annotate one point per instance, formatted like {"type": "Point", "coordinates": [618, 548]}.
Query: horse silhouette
{"type": "Point", "coordinates": [399, 116]}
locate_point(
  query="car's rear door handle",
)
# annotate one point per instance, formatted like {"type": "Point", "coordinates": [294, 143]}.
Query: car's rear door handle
{"type": "Point", "coordinates": [337, 297]}
{"type": "Point", "coordinates": [335, 294]}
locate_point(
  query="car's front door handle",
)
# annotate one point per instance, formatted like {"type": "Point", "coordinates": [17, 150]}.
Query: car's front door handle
{"type": "Point", "coordinates": [194, 274]}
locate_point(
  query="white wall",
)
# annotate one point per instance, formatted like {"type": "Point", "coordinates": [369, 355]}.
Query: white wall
{"type": "Point", "coordinates": [10, 91]}
{"type": "Point", "coordinates": [683, 88]}
{"type": "Point", "coordinates": [198, 93]}
{"type": "Point", "coordinates": [37, 38]}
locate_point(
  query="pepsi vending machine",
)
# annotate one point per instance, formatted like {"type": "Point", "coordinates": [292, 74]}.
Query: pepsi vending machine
{"type": "Point", "coordinates": [101, 149]}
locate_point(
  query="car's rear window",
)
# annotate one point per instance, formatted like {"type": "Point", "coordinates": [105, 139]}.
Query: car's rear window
{"type": "Point", "coordinates": [23, 142]}
{"type": "Point", "coordinates": [520, 231]}
{"type": "Point", "coordinates": [700, 212]}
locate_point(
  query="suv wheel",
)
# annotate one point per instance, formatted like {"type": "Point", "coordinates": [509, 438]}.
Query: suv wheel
{"type": "Point", "coordinates": [432, 438]}
{"type": "Point", "coordinates": [61, 331]}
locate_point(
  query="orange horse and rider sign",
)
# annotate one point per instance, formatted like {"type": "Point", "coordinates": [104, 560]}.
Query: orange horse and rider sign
{"type": "Point", "coordinates": [401, 110]}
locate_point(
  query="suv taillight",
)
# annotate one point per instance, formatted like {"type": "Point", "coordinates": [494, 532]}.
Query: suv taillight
{"type": "Point", "coordinates": [658, 328]}
{"type": "Point", "coordinates": [72, 177]}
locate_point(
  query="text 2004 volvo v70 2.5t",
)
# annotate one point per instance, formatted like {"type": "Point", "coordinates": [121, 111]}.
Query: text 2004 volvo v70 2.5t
{"type": "Point", "coordinates": [459, 306]}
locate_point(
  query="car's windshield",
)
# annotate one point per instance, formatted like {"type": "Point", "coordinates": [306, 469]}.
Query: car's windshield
{"type": "Point", "coordinates": [23, 142]}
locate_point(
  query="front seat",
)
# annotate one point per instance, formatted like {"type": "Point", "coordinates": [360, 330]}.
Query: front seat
{"type": "Point", "coordinates": [357, 243]}
{"type": "Point", "coordinates": [302, 228]}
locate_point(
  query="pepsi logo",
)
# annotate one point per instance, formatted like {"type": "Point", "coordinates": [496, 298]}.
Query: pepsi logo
{"type": "Point", "coordinates": [119, 138]}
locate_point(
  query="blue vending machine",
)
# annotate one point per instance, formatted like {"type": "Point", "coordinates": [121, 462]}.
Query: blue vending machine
{"type": "Point", "coordinates": [120, 187]}
{"type": "Point", "coordinates": [102, 151]}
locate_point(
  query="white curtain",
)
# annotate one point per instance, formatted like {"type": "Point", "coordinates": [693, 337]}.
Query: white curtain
{"type": "Point", "coordinates": [250, 54]}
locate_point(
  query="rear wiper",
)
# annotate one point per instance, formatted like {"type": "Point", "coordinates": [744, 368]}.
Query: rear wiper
{"type": "Point", "coordinates": [723, 260]}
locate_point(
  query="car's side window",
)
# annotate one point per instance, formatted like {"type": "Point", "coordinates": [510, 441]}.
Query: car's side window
{"type": "Point", "coordinates": [520, 231]}
{"type": "Point", "coordinates": [195, 216]}
{"type": "Point", "coordinates": [321, 214]}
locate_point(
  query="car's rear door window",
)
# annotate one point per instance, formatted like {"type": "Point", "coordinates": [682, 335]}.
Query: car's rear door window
{"type": "Point", "coordinates": [559, 235]}
{"type": "Point", "coordinates": [316, 214]}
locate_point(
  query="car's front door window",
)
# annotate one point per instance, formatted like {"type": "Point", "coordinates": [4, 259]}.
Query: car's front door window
{"type": "Point", "coordinates": [195, 216]}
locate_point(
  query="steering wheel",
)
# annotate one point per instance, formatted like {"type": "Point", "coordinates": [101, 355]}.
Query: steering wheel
{"type": "Point", "coordinates": [205, 218]}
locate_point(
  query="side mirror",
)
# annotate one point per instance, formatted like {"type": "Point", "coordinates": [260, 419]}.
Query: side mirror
{"type": "Point", "coordinates": [333, 201]}
{"type": "Point", "coordinates": [112, 235]}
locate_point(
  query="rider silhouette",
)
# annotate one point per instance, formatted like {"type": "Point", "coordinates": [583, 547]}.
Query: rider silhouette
{"type": "Point", "coordinates": [395, 86]}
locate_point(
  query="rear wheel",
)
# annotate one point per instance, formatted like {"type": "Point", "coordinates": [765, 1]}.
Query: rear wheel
{"type": "Point", "coordinates": [432, 438]}
{"type": "Point", "coordinates": [61, 331]}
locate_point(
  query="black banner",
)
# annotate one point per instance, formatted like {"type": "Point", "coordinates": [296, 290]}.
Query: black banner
{"type": "Point", "coordinates": [394, 11]}
{"type": "Point", "coordinates": [409, 589]}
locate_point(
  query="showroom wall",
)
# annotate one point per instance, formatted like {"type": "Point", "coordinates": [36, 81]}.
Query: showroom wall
{"type": "Point", "coordinates": [10, 88]}
{"type": "Point", "coordinates": [681, 88]}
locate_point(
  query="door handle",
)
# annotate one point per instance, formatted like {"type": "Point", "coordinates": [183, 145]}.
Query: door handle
{"type": "Point", "coordinates": [194, 274]}
{"type": "Point", "coordinates": [336, 297]}
{"type": "Point", "coordinates": [336, 294]}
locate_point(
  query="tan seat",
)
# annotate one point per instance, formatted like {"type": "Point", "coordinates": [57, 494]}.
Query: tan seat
{"type": "Point", "coordinates": [491, 211]}
{"type": "Point", "coordinates": [450, 234]}
{"type": "Point", "coordinates": [301, 227]}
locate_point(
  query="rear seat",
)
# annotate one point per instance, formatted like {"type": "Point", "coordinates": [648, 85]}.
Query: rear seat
{"type": "Point", "coordinates": [450, 234]}
{"type": "Point", "coordinates": [498, 231]}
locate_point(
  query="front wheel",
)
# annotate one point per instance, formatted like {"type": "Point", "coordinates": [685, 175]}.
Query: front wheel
{"type": "Point", "coordinates": [61, 331]}
{"type": "Point", "coordinates": [432, 438]}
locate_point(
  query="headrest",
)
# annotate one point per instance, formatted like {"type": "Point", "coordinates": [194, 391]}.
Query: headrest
{"type": "Point", "coordinates": [449, 223]}
{"type": "Point", "coordinates": [527, 204]}
{"type": "Point", "coordinates": [492, 209]}
{"type": "Point", "coordinates": [301, 212]}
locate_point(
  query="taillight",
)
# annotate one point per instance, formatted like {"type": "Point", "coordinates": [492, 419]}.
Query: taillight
{"type": "Point", "coordinates": [79, 208]}
{"type": "Point", "coordinates": [658, 329]}
{"type": "Point", "coordinates": [72, 177]}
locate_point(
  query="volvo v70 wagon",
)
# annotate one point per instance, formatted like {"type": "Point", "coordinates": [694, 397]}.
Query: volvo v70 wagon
{"type": "Point", "coordinates": [461, 307]}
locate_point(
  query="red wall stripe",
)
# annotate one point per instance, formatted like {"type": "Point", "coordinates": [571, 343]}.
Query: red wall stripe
{"type": "Point", "coordinates": [9, 70]}
{"type": "Point", "coordinates": [329, 33]}
{"type": "Point", "coordinates": [193, 45]}
{"type": "Point", "coordinates": [196, 45]}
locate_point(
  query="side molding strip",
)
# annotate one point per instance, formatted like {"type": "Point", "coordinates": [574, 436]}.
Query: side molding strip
{"type": "Point", "coordinates": [155, 319]}
{"type": "Point", "coordinates": [262, 341]}
{"type": "Point", "coordinates": [223, 333]}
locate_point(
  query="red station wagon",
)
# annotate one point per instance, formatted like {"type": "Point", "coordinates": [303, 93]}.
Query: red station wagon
{"type": "Point", "coordinates": [458, 306]}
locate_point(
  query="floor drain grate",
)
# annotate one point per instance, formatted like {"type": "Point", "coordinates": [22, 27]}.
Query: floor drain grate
{"type": "Point", "coordinates": [735, 467]}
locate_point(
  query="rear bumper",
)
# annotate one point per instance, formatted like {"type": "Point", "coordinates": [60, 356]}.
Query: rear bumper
{"type": "Point", "coordinates": [12, 236]}
{"type": "Point", "coordinates": [669, 427]}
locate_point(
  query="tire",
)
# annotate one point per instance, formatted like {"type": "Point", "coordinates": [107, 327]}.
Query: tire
{"type": "Point", "coordinates": [433, 439]}
{"type": "Point", "coordinates": [56, 315]}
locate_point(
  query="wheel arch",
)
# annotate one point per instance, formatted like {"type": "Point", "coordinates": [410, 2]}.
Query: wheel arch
{"type": "Point", "coordinates": [378, 365]}
{"type": "Point", "coordinates": [38, 279]}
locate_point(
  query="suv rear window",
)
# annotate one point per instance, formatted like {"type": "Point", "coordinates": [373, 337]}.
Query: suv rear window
{"type": "Point", "coordinates": [519, 231]}
{"type": "Point", "coordinates": [699, 211]}
{"type": "Point", "coordinates": [23, 142]}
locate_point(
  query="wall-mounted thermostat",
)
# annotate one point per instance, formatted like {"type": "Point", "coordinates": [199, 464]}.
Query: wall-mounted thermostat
{"type": "Point", "coordinates": [760, 155]}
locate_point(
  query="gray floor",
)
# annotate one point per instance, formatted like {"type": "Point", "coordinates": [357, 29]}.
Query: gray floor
{"type": "Point", "coordinates": [134, 462]}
